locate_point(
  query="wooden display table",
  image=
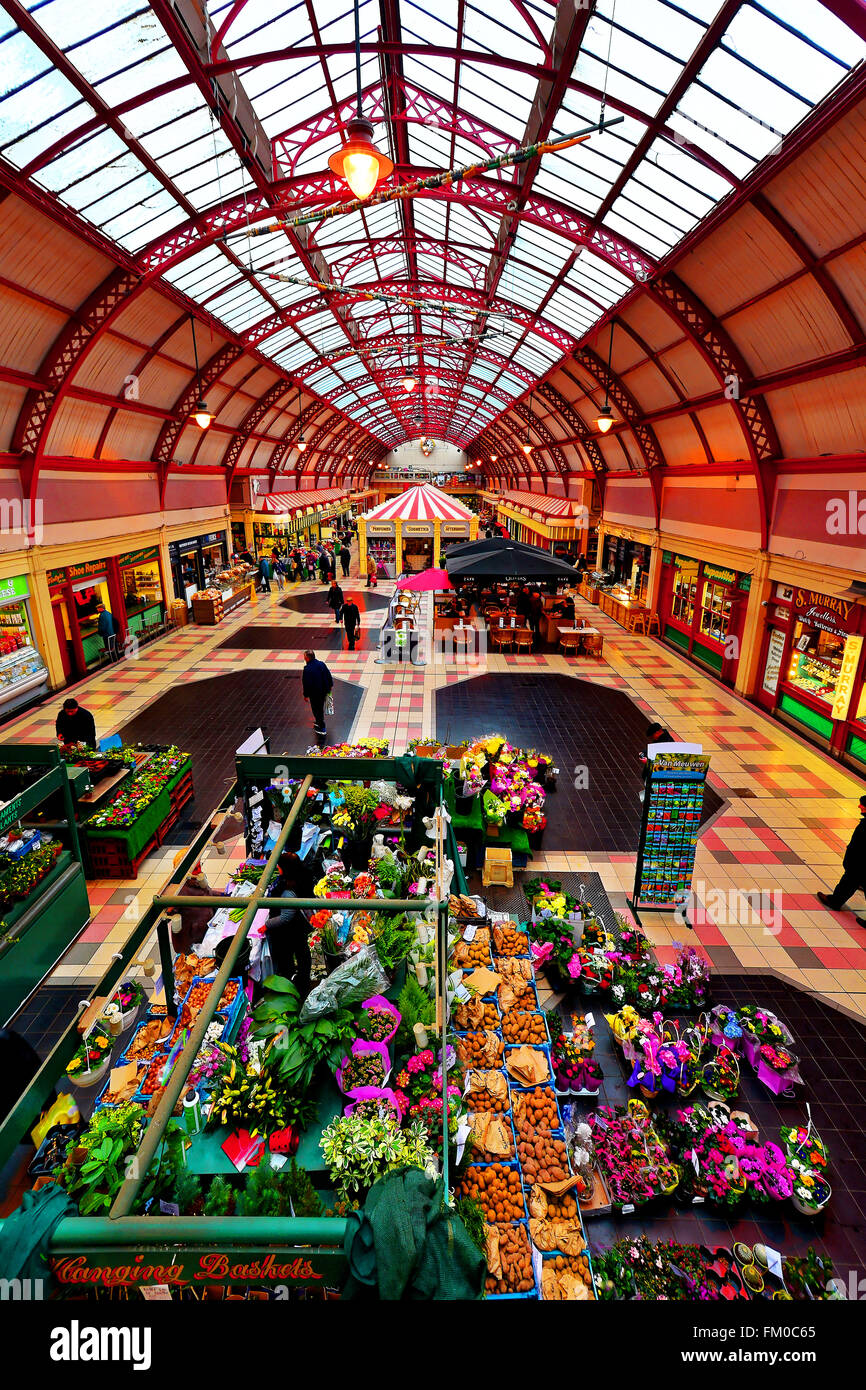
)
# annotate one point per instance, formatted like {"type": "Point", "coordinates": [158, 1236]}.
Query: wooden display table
{"type": "Point", "coordinates": [620, 610]}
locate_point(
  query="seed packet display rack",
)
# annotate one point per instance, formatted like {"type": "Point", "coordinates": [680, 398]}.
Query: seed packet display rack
{"type": "Point", "coordinates": [672, 807]}
{"type": "Point", "coordinates": [124, 1250]}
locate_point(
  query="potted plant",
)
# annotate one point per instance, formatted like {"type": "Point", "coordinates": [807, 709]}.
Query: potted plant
{"type": "Point", "coordinates": [91, 1060]}
{"type": "Point", "coordinates": [535, 824]}
{"type": "Point", "coordinates": [811, 1193]}
{"type": "Point", "coordinates": [359, 1148]}
{"type": "Point", "coordinates": [125, 1004]}
{"type": "Point", "coordinates": [720, 1078]}
{"type": "Point", "coordinates": [96, 1161]}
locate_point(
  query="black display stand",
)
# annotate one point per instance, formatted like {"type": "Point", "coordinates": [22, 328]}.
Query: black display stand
{"type": "Point", "coordinates": [672, 809]}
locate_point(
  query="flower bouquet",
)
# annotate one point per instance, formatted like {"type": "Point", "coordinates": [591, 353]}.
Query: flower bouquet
{"type": "Point", "coordinates": [720, 1078]}
{"type": "Point", "coordinates": [810, 1193]}
{"type": "Point", "coordinates": [495, 810]}
{"type": "Point", "coordinates": [379, 1019]}
{"type": "Point", "coordinates": [91, 1060]}
{"type": "Point", "coordinates": [535, 824]}
{"type": "Point", "coordinates": [777, 1067]}
{"type": "Point", "coordinates": [759, 1026]}
{"type": "Point", "coordinates": [804, 1146]}
{"type": "Point", "coordinates": [125, 1004]}
{"type": "Point", "coordinates": [473, 783]}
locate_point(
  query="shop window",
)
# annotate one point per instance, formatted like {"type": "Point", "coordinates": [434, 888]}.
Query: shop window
{"type": "Point", "coordinates": [684, 594]}
{"type": "Point", "coordinates": [716, 610]}
{"type": "Point", "coordinates": [816, 661]}
{"type": "Point", "coordinates": [142, 590]}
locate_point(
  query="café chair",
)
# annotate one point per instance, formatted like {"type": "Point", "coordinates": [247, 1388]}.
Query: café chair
{"type": "Point", "coordinates": [654, 627]}
{"type": "Point", "coordinates": [500, 638]}
{"type": "Point", "coordinates": [594, 645]}
{"type": "Point", "coordinates": [568, 641]}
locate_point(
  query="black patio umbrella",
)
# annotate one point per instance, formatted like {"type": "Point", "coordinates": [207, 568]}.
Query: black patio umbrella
{"type": "Point", "coordinates": [506, 559]}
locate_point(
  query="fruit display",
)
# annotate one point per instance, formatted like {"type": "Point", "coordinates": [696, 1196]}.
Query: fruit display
{"type": "Point", "coordinates": [488, 1090]}
{"type": "Point", "coordinates": [509, 1260]}
{"type": "Point", "coordinates": [147, 1039]}
{"type": "Point", "coordinates": [482, 1048]}
{"type": "Point", "coordinates": [566, 1277]}
{"type": "Point", "coordinates": [475, 952]}
{"type": "Point", "coordinates": [188, 967]}
{"type": "Point", "coordinates": [497, 1190]}
{"type": "Point", "coordinates": [519, 1026]}
{"type": "Point", "coordinates": [536, 1109]}
{"type": "Point", "coordinates": [508, 941]}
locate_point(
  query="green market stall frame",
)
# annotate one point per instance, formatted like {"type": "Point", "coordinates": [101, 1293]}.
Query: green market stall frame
{"type": "Point", "coordinates": [123, 1250]}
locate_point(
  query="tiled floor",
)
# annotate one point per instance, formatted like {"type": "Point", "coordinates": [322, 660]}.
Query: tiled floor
{"type": "Point", "coordinates": [787, 814]}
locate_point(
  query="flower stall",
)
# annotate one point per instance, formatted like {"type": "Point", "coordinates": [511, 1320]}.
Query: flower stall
{"type": "Point", "coordinates": [120, 834]}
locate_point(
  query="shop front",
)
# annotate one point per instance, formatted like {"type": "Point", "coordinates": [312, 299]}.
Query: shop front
{"type": "Point", "coordinates": [702, 612]}
{"type": "Point", "coordinates": [417, 537]}
{"type": "Point", "coordinates": [195, 563]}
{"type": "Point", "coordinates": [382, 547]}
{"type": "Point", "coordinates": [811, 672]}
{"type": "Point", "coordinates": [23, 673]}
{"type": "Point", "coordinates": [77, 592]}
{"type": "Point", "coordinates": [141, 582]}
{"type": "Point", "coordinates": [628, 561]}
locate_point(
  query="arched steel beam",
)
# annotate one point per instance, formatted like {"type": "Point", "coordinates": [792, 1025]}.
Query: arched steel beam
{"type": "Point", "coordinates": [644, 434]}
{"type": "Point", "coordinates": [576, 424]}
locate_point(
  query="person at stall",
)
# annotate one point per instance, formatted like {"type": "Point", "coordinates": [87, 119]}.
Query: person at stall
{"type": "Point", "coordinates": [536, 612]}
{"type": "Point", "coordinates": [335, 601]}
{"type": "Point", "coordinates": [189, 923]}
{"type": "Point", "coordinates": [371, 573]}
{"type": "Point", "coordinates": [564, 608]}
{"type": "Point", "coordinates": [324, 567]}
{"type": "Point", "coordinates": [853, 870]}
{"type": "Point", "coordinates": [287, 930]}
{"type": "Point", "coordinates": [522, 602]}
{"type": "Point", "coordinates": [246, 557]}
{"type": "Point", "coordinates": [106, 626]}
{"type": "Point", "coordinates": [345, 556]}
{"type": "Point", "coordinates": [74, 724]}
{"type": "Point", "coordinates": [352, 622]}
{"type": "Point", "coordinates": [317, 683]}
{"type": "Point", "coordinates": [265, 575]}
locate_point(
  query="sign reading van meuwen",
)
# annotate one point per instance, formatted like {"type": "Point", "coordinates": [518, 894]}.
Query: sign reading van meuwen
{"type": "Point", "coordinates": [823, 611]}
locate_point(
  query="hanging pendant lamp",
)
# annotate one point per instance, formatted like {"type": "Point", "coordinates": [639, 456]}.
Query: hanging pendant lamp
{"type": "Point", "coordinates": [358, 161]}
{"type": "Point", "coordinates": [200, 413]}
{"type": "Point", "coordinates": [604, 422]}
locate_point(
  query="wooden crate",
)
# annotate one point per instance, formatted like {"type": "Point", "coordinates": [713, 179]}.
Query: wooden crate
{"type": "Point", "coordinates": [497, 868]}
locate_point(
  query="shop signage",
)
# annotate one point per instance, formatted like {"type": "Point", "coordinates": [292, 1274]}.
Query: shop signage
{"type": "Point", "coordinates": [55, 577]}
{"type": "Point", "coordinates": [180, 1268]}
{"type": "Point", "coordinates": [139, 557]}
{"type": "Point", "coordinates": [830, 614]}
{"type": "Point", "coordinates": [719, 575]}
{"type": "Point", "coordinates": [773, 667]}
{"type": "Point", "coordinates": [847, 676]}
{"type": "Point", "coordinates": [13, 588]}
{"type": "Point", "coordinates": [745, 583]}
{"type": "Point", "coordinates": [454, 528]}
{"type": "Point", "coordinates": [88, 570]}
{"type": "Point", "coordinates": [11, 812]}
{"type": "Point", "coordinates": [417, 528]}
{"type": "Point", "coordinates": [667, 557]}
{"type": "Point", "coordinates": [380, 528]}
{"type": "Point", "coordinates": [683, 562]}
{"type": "Point", "coordinates": [214, 538]}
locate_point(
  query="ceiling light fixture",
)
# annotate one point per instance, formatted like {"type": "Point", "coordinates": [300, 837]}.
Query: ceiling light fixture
{"type": "Point", "coordinates": [604, 422]}
{"type": "Point", "coordinates": [526, 446]}
{"type": "Point", "coordinates": [358, 161]}
{"type": "Point", "coordinates": [200, 413]}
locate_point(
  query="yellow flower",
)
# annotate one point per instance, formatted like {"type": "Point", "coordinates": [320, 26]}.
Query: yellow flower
{"type": "Point", "coordinates": [74, 1065]}
{"type": "Point", "coordinates": [102, 1043]}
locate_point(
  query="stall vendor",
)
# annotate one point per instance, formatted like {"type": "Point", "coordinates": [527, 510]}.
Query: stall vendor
{"type": "Point", "coordinates": [75, 724]}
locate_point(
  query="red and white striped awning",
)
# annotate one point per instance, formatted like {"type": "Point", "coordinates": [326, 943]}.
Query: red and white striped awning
{"type": "Point", "coordinates": [287, 502]}
{"type": "Point", "coordinates": [420, 503]}
{"type": "Point", "coordinates": [541, 504]}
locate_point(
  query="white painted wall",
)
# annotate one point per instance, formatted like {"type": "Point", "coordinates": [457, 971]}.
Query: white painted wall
{"type": "Point", "coordinates": [445, 458]}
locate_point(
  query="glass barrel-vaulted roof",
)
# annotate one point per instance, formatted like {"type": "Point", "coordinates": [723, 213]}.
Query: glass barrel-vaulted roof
{"type": "Point", "coordinates": [142, 120]}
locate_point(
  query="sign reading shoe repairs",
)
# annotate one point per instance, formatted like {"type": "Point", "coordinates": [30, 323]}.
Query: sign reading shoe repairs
{"type": "Point", "coordinates": [823, 611]}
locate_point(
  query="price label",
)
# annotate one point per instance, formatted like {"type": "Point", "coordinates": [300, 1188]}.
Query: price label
{"type": "Point", "coordinates": [697, 1201]}
{"type": "Point", "coordinates": [155, 1293]}
{"type": "Point", "coordinates": [589, 1020]}
{"type": "Point", "coordinates": [169, 1208]}
{"type": "Point", "coordinates": [627, 1209]}
{"type": "Point", "coordinates": [536, 1264]}
{"type": "Point", "coordinates": [469, 933]}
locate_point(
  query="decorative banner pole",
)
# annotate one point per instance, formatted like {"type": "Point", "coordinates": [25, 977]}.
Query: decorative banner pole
{"type": "Point", "coordinates": [448, 176]}
{"type": "Point", "coordinates": [387, 297]}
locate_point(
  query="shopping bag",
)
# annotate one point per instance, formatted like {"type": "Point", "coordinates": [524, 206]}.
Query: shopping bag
{"type": "Point", "coordinates": [329, 705]}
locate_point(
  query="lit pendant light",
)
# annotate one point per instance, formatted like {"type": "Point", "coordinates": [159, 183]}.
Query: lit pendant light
{"type": "Point", "coordinates": [358, 161]}
{"type": "Point", "coordinates": [301, 444]}
{"type": "Point", "coordinates": [200, 413]}
{"type": "Point", "coordinates": [493, 458]}
{"type": "Point", "coordinates": [604, 423]}
{"type": "Point", "coordinates": [409, 383]}
{"type": "Point", "coordinates": [526, 446]}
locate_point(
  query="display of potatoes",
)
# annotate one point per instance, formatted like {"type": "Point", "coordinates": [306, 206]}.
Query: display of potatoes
{"type": "Point", "coordinates": [536, 1109]}
{"type": "Point", "coordinates": [566, 1277]}
{"type": "Point", "coordinates": [508, 941]}
{"type": "Point", "coordinates": [519, 1026]}
{"type": "Point", "coordinates": [509, 1260]}
{"type": "Point", "coordinates": [497, 1190]}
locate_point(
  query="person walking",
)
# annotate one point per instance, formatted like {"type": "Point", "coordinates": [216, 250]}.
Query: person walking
{"type": "Point", "coordinates": [536, 612]}
{"type": "Point", "coordinates": [288, 928]}
{"type": "Point", "coordinates": [317, 683]}
{"type": "Point", "coordinates": [352, 622]}
{"type": "Point", "coordinates": [371, 573]}
{"type": "Point", "coordinates": [853, 870]}
{"type": "Point", "coordinates": [345, 557]}
{"type": "Point", "coordinates": [323, 566]}
{"type": "Point", "coordinates": [335, 601]}
{"type": "Point", "coordinates": [265, 575]}
{"type": "Point", "coordinates": [75, 724]}
{"type": "Point", "coordinates": [281, 572]}
{"type": "Point", "coordinates": [106, 626]}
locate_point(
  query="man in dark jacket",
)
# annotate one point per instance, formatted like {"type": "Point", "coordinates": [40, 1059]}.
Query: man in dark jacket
{"type": "Point", "coordinates": [265, 575]}
{"type": "Point", "coordinates": [106, 626]}
{"type": "Point", "coordinates": [317, 685]}
{"type": "Point", "coordinates": [853, 870]}
{"type": "Point", "coordinates": [335, 601]}
{"type": "Point", "coordinates": [352, 622]}
{"type": "Point", "coordinates": [345, 557]}
{"type": "Point", "coordinates": [536, 613]}
{"type": "Point", "coordinates": [75, 725]}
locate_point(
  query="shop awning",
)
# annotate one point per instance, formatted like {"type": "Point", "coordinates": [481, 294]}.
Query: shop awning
{"type": "Point", "coordinates": [420, 503]}
{"type": "Point", "coordinates": [566, 508]}
{"type": "Point", "coordinates": [289, 502]}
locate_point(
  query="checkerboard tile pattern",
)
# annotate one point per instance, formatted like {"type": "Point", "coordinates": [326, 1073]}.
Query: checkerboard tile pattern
{"type": "Point", "coordinates": [788, 812]}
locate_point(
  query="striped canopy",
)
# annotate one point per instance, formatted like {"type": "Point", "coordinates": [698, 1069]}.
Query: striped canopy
{"type": "Point", "coordinates": [420, 503]}
{"type": "Point", "coordinates": [542, 504]}
{"type": "Point", "coordinates": [298, 501]}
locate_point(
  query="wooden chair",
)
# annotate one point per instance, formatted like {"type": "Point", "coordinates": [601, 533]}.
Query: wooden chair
{"type": "Point", "coordinates": [523, 641]}
{"type": "Point", "coordinates": [404, 624]}
{"type": "Point", "coordinates": [568, 641]}
{"type": "Point", "coordinates": [498, 868]}
{"type": "Point", "coordinates": [637, 623]}
{"type": "Point", "coordinates": [593, 645]}
{"type": "Point", "coordinates": [500, 638]}
{"type": "Point", "coordinates": [654, 627]}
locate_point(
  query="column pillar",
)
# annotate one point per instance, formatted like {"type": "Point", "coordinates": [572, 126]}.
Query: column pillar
{"type": "Point", "coordinates": [751, 641]}
{"type": "Point", "coordinates": [437, 542]}
{"type": "Point", "coordinates": [398, 548]}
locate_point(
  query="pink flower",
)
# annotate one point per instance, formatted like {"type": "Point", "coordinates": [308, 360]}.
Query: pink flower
{"type": "Point", "coordinates": [574, 966]}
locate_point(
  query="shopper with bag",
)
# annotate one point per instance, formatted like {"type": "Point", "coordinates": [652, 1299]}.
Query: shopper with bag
{"type": "Point", "coordinates": [318, 684]}
{"type": "Point", "coordinates": [352, 622]}
{"type": "Point", "coordinates": [371, 573]}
